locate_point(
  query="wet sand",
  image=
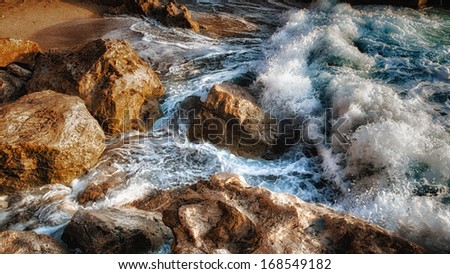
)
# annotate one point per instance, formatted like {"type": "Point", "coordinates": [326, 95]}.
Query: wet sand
{"type": "Point", "coordinates": [53, 23]}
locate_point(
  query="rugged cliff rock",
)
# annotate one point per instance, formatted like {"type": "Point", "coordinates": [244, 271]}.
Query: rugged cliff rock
{"type": "Point", "coordinates": [118, 87]}
{"type": "Point", "coordinates": [231, 118]}
{"type": "Point", "coordinates": [116, 231]}
{"type": "Point", "coordinates": [46, 138]}
{"type": "Point", "coordinates": [28, 242]}
{"type": "Point", "coordinates": [225, 215]}
{"type": "Point", "coordinates": [18, 51]}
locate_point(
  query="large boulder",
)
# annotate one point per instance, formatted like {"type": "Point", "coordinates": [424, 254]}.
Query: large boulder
{"type": "Point", "coordinates": [118, 87]}
{"type": "Point", "coordinates": [46, 138]}
{"type": "Point", "coordinates": [231, 118]}
{"type": "Point", "coordinates": [225, 215]}
{"type": "Point", "coordinates": [28, 242]}
{"type": "Point", "coordinates": [18, 51]}
{"type": "Point", "coordinates": [116, 231]}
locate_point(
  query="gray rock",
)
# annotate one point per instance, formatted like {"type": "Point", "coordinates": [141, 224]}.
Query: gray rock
{"type": "Point", "coordinates": [116, 231]}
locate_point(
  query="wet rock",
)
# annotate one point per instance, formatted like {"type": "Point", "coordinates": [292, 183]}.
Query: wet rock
{"type": "Point", "coordinates": [18, 51]}
{"type": "Point", "coordinates": [404, 3]}
{"type": "Point", "coordinates": [28, 242]}
{"type": "Point", "coordinates": [46, 206]}
{"type": "Point", "coordinates": [170, 13]}
{"type": "Point", "coordinates": [46, 138]}
{"type": "Point", "coordinates": [231, 118]}
{"type": "Point", "coordinates": [118, 87]}
{"type": "Point", "coordinates": [227, 215]}
{"type": "Point", "coordinates": [11, 87]}
{"type": "Point", "coordinates": [116, 231]}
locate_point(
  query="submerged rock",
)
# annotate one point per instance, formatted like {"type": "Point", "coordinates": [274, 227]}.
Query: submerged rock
{"type": "Point", "coordinates": [28, 242]}
{"type": "Point", "coordinates": [231, 118]}
{"type": "Point", "coordinates": [46, 138]}
{"type": "Point", "coordinates": [18, 51]}
{"type": "Point", "coordinates": [118, 87]}
{"type": "Point", "coordinates": [116, 231]}
{"type": "Point", "coordinates": [227, 215]}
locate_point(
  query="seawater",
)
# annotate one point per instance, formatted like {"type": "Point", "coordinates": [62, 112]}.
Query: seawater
{"type": "Point", "coordinates": [384, 70]}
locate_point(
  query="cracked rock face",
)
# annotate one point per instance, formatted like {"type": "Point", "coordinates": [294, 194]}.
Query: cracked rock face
{"type": "Point", "coordinates": [46, 138]}
{"type": "Point", "coordinates": [18, 51]}
{"type": "Point", "coordinates": [225, 215]}
{"type": "Point", "coordinates": [118, 87]}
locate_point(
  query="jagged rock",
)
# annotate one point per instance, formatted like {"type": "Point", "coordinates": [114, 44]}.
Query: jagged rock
{"type": "Point", "coordinates": [46, 138]}
{"type": "Point", "coordinates": [118, 87]}
{"type": "Point", "coordinates": [231, 118]}
{"type": "Point", "coordinates": [28, 242]}
{"type": "Point", "coordinates": [116, 231]}
{"type": "Point", "coordinates": [227, 215]}
{"type": "Point", "coordinates": [18, 51]}
{"type": "Point", "coordinates": [170, 13]}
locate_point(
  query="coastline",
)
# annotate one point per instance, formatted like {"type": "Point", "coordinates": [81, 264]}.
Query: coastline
{"type": "Point", "coordinates": [56, 24]}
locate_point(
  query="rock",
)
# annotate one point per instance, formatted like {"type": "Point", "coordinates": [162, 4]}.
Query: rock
{"type": "Point", "coordinates": [116, 231]}
{"type": "Point", "coordinates": [405, 3]}
{"type": "Point", "coordinates": [227, 215]}
{"type": "Point", "coordinates": [46, 138]}
{"type": "Point", "coordinates": [18, 51]}
{"type": "Point", "coordinates": [231, 118]}
{"type": "Point", "coordinates": [170, 14]}
{"type": "Point", "coordinates": [28, 242]}
{"type": "Point", "coordinates": [19, 71]}
{"type": "Point", "coordinates": [45, 206]}
{"type": "Point", "coordinates": [118, 87]}
{"type": "Point", "coordinates": [11, 87]}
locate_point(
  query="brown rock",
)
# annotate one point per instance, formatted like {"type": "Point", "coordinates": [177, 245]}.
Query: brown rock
{"type": "Point", "coordinates": [116, 231]}
{"type": "Point", "coordinates": [11, 86]}
{"type": "Point", "coordinates": [118, 87]}
{"type": "Point", "coordinates": [405, 3]}
{"type": "Point", "coordinates": [231, 118]}
{"type": "Point", "coordinates": [28, 242]}
{"type": "Point", "coordinates": [46, 138]}
{"type": "Point", "coordinates": [18, 51]}
{"type": "Point", "coordinates": [227, 215]}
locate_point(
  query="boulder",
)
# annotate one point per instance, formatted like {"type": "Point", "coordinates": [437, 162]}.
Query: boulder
{"type": "Point", "coordinates": [28, 242]}
{"type": "Point", "coordinates": [18, 51]}
{"type": "Point", "coordinates": [231, 118]}
{"type": "Point", "coordinates": [225, 215]}
{"type": "Point", "coordinates": [11, 87]}
{"type": "Point", "coordinates": [116, 231]}
{"type": "Point", "coordinates": [118, 87]}
{"type": "Point", "coordinates": [46, 138]}
{"type": "Point", "coordinates": [170, 13]}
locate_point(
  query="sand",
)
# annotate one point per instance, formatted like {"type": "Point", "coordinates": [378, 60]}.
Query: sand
{"type": "Point", "coordinates": [57, 24]}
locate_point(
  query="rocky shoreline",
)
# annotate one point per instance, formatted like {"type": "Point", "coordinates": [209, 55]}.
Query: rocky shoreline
{"type": "Point", "coordinates": [57, 106]}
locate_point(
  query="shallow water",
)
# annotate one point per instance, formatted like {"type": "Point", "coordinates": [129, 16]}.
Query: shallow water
{"type": "Point", "coordinates": [385, 71]}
